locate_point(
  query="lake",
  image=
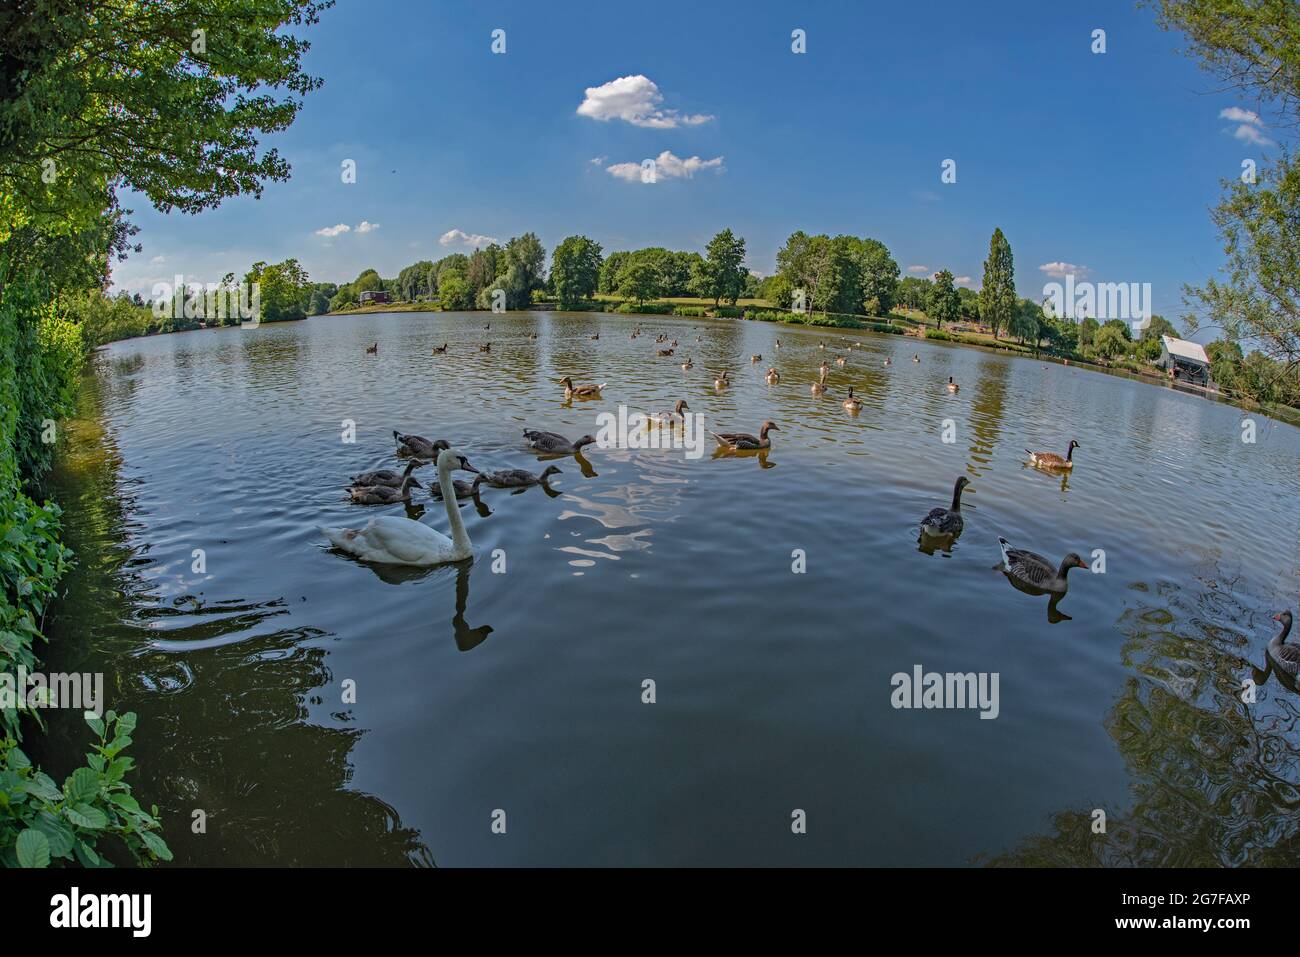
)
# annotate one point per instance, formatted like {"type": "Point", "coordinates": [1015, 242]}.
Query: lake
{"type": "Point", "coordinates": [322, 711]}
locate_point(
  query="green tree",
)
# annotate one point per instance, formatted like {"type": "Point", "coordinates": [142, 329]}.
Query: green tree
{"type": "Point", "coordinates": [723, 272]}
{"type": "Point", "coordinates": [638, 280]}
{"type": "Point", "coordinates": [575, 270]}
{"type": "Point", "coordinates": [998, 290]}
{"type": "Point", "coordinates": [1111, 340]}
{"type": "Point", "coordinates": [944, 304]}
{"type": "Point", "coordinates": [282, 288]}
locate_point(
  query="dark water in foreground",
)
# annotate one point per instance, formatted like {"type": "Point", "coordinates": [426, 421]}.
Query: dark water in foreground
{"type": "Point", "coordinates": [522, 691]}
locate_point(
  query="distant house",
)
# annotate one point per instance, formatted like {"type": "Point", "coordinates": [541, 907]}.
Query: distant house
{"type": "Point", "coordinates": [1185, 360]}
{"type": "Point", "coordinates": [373, 295]}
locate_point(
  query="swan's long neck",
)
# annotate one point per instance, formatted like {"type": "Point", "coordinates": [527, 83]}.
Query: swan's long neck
{"type": "Point", "coordinates": [459, 537]}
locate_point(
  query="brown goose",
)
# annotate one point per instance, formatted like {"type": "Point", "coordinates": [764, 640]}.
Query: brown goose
{"type": "Point", "coordinates": [840, 360]}
{"type": "Point", "coordinates": [675, 417]}
{"type": "Point", "coordinates": [554, 442]}
{"type": "Point", "coordinates": [1282, 656]}
{"type": "Point", "coordinates": [1050, 460]}
{"type": "Point", "coordinates": [772, 377]}
{"type": "Point", "coordinates": [594, 336]}
{"type": "Point", "coordinates": [486, 347]}
{"type": "Point", "coordinates": [389, 477]}
{"type": "Point", "coordinates": [952, 386]}
{"type": "Point", "coordinates": [572, 391]}
{"type": "Point", "coordinates": [755, 359]}
{"type": "Point", "coordinates": [946, 521]}
{"type": "Point", "coordinates": [722, 381]}
{"type": "Point", "coordinates": [819, 387]}
{"type": "Point", "coordinates": [1035, 571]}
{"type": "Point", "coordinates": [688, 365]}
{"type": "Point", "coordinates": [372, 350]}
{"type": "Point", "coordinates": [384, 494]}
{"type": "Point", "coordinates": [852, 403]}
{"type": "Point", "coordinates": [666, 352]}
{"type": "Point", "coordinates": [439, 350]}
{"type": "Point", "coordinates": [515, 478]}
{"type": "Point", "coordinates": [418, 446]}
{"type": "Point", "coordinates": [743, 441]}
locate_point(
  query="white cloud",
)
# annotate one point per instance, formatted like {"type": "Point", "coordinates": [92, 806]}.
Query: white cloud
{"type": "Point", "coordinates": [1059, 270]}
{"type": "Point", "coordinates": [635, 100]}
{"type": "Point", "coordinates": [365, 226]}
{"type": "Point", "coordinates": [455, 237]}
{"type": "Point", "coordinates": [1251, 127]}
{"type": "Point", "coordinates": [918, 269]}
{"type": "Point", "coordinates": [598, 160]}
{"type": "Point", "coordinates": [962, 280]}
{"type": "Point", "coordinates": [329, 232]}
{"type": "Point", "coordinates": [668, 165]}
{"type": "Point", "coordinates": [157, 260]}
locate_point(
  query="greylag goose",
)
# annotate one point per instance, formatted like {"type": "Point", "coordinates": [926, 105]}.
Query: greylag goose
{"type": "Point", "coordinates": [1035, 571]}
{"type": "Point", "coordinates": [1284, 657]}
{"type": "Point", "coordinates": [772, 377]}
{"type": "Point", "coordinates": [572, 391]}
{"type": "Point", "coordinates": [852, 403]}
{"type": "Point", "coordinates": [418, 446]}
{"type": "Point", "coordinates": [554, 442]}
{"type": "Point", "coordinates": [743, 441]}
{"type": "Point", "coordinates": [947, 521]}
{"type": "Point", "coordinates": [515, 478]}
{"type": "Point", "coordinates": [755, 359]}
{"type": "Point", "coordinates": [390, 477]}
{"type": "Point", "coordinates": [675, 417]}
{"type": "Point", "coordinates": [1050, 460]}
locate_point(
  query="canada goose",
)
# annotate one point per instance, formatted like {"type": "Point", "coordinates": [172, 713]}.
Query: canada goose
{"type": "Point", "coordinates": [952, 386]}
{"type": "Point", "coordinates": [722, 381]}
{"type": "Point", "coordinates": [946, 521]}
{"type": "Point", "coordinates": [384, 494]}
{"type": "Point", "coordinates": [372, 350]}
{"type": "Point", "coordinates": [852, 403]}
{"type": "Point", "coordinates": [572, 391]}
{"type": "Point", "coordinates": [1282, 656]}
{"type": "Point", "coordinates": [756, 359]}
{"type": "Point", "coordinates": [440, 349]}
{"type": "Point", "coordinates": [688, 364]}
{"type": "Point", "coordinates": [821, 345]}
{"type": "Point", "coordinates": [778, 343]}
{"type": "Point", "coordinates": [674, 343]}
{"type": "Point", "coordinates": [385, 476]}
{"type": "Point", "coordinates": [391, 540]}
{"type": "Point", "coordinates": [819, 387]}
{"type": "Point", "coordinates": [515, 478]}
{"type": "Point", "coordinates": [773, 377]}
{"type": "Point", "coordinates": [675, 417]}
{"type": "Point", "coordinates": [595, 336]}
{"type": "Point", "coordinates": [840, 360]}
{"type": "Point", "coordinates": [1050, 460]}
{"type": "Point", "coordinates": [486, 347]}
{"type": "Point", "coordinates": [533, 336]}
{"type": "Point", "coordinates": [554, 442]}
{"type": "Point", "coordinates": [889, 362]}
{"type": "Point", "coordinates": [418, 446]}
{"type": "Point", "coordinates": [1035, 571]}
{"type": "Point", "coordinates": [666, 352]}
{"type": "Point", "coordinates": [743, 441]}
{"type": "Point", "coordinates": [916, 358]}
{"type": "Point", "coordinates": [825, 367]}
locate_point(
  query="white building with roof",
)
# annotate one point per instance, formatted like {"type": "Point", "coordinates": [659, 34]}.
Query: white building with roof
{"type": "Point", "coordinates": [1185, 360]}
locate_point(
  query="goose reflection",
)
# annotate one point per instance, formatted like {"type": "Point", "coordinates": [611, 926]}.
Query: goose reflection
{"type": "Point", "coordinates": [760, 455]}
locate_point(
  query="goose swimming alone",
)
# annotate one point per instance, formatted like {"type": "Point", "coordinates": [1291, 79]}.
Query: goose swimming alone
{"type": "Point", "coordinates": [1035, 571]}
{"type": "Point", "coordinates": [392, 540]}
{"type": "Point", "coordinates": [772, 377]}
{"type": "Point", "coordinates": [572, 391]}
{"type": "Point", "coordinates": [952, 386]}
{"type": "Point", "coordinates": [947, 521]}
{"type": "Point", "coordinates": [1050, 460]}
{"type": "Point", "coordinates": [852, 403]}
{"type": "Point", "coordinates": [743, 441]}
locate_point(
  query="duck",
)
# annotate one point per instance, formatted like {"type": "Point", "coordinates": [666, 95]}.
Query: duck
{"type": "Point", "coordinates": [1284, 657]}
{"type": "Point", "coordinates": [772, 377]}
{"type": "Point", "coordinates": [515, 478]}
{"type": "Point", "coordinates": [384, 494]}
{"type": "Point", "coordinates": [687, 365]}
{"type": "Point", "coordinates": [554, 442]}
{"type": "Point", "coordinates": [722, 381]}
{"type": "Point", "coordinates": [755, 359]}
{"type": "Point", "coordinates": [852, 403]}
{"type": "Point", "coordinates": [394, 540]}
{"type": "Point", "coordinates": [389, 477]}
{"type": "Point", "coordinates": [1050, 460]}
{"type": "Point", "coordinates": [946, 521]}
{"type": "Point", "coordinates": [572, 391]}
{"type": "Point", "coordinates": [819, 387]}
{"type": "Point", "coordinates": [952, 386]}
{"type": "Point", "coordinates": [743, 441]}
{"type": "Point", "coordinates": [372, 350]}
{"type": "Point", "coordinates": [675, 417]}
{"type": "Point", "coordinates": [1035, 571]}
{"type": "Point", "coordinates": [438, 350]}
{"type": "Point", "coordinates": [418, 446]}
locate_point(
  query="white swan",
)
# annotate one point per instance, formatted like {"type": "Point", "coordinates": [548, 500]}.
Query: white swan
{"type": "Point", "coordinates": [393, 540]}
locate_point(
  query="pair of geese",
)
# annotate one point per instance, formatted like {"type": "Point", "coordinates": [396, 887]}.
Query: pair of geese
{"type": "Point", "coordinates": [1025, 567]}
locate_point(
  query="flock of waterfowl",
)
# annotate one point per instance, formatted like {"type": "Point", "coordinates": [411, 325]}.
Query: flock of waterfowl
{"type": "Point", "coordinates": [405, 541]}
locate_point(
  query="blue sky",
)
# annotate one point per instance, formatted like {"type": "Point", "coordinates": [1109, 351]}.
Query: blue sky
{"type": "Point", "coordinates": [1109, 162]}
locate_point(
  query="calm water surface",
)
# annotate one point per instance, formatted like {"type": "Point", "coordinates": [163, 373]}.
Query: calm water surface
{"type": "Point", "coordinates": [522, 691]}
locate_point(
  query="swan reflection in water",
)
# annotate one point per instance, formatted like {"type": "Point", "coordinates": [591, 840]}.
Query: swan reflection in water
{"type": "Point", "coordinates": [466, 637]}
